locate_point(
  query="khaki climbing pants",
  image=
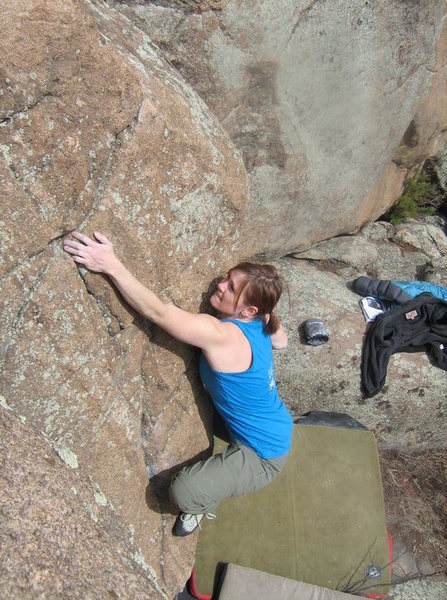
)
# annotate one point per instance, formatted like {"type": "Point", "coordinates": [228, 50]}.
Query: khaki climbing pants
{"type": "Point", "coordinates": [236, 472]}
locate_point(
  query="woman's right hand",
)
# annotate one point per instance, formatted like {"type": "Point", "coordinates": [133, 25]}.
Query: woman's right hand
{"type": "Point", "coordinates": [97, 256]}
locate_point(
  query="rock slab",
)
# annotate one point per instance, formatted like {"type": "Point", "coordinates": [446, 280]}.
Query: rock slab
{"type": "Point", "coordinates": [99, 132]}
{"type": "Point", "coordinates": [318, 96]}
{"type": "Point", "coordinates": [60, 536]}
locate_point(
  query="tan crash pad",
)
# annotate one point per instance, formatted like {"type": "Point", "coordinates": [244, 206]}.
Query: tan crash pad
{"type": "Point", "coordinates": [241, 583]}
{"type": "Point", "coordinates": [322, 521]}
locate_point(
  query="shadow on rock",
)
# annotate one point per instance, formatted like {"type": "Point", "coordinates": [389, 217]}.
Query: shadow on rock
{"type": "Point", "coordinates": [157, 491]}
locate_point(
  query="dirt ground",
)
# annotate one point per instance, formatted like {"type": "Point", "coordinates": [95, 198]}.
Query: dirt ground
{"type": "Point", "coordinates": [415, 490]}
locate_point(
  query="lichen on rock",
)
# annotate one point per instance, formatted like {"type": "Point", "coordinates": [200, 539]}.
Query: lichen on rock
{"type": "Point", "coordinates": [99, 132]}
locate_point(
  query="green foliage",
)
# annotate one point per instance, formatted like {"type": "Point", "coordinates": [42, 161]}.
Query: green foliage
{"type": "Point", "coordinates": [411, 204]}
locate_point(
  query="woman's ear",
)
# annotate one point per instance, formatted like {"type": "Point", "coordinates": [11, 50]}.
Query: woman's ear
{"type": "Point", "coordinates": [249, 311]}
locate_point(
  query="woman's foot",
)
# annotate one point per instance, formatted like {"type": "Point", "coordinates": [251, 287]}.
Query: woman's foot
{"type": "Point", "coordinates": [186, 523]}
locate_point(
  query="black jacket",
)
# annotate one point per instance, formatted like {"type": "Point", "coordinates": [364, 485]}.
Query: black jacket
{"type": "Point", "coordinates": [415, 326]}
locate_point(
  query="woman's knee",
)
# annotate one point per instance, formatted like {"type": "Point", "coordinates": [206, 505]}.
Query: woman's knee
{"type": "Point", "coordinates": [189, 491]}
{"type": "Point", "coordinates": [180, 491]}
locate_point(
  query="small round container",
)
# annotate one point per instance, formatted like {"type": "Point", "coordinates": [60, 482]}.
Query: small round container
{"type": "Point", "coordinates": [315, 332]}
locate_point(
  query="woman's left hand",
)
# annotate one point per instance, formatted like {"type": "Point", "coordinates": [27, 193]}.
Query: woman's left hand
{"type": "Point", "coordinates": [97, 256]}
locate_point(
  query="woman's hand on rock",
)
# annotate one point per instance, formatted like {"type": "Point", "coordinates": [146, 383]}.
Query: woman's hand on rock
{"type": "Point", "coordinates": [97, 256]}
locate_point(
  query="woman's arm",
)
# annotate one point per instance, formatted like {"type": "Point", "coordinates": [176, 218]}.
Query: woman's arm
{"type": "Point", "coordinates": [98, 256]}
{"type": "Point", "coordinates": [279, 338]}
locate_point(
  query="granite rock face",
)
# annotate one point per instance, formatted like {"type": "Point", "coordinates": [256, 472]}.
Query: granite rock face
{"type": "Point", "coordinates": [61, 537]}
{"type": "Point", "coordinates": [330, 103]}
{"type": "Point", "coordinates": [410, 410]}
{"type": "Point", "coordinates": [440, 166]}
{"type": "Point", "coordinates": [98, 132]}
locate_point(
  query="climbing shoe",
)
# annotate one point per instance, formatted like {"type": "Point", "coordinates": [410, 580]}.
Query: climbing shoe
{"type": "Point", "coordinates": [186, 523]}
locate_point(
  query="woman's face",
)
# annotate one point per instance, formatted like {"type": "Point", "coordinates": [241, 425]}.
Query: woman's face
{"type": "Point", "coordinates": [225, 295]}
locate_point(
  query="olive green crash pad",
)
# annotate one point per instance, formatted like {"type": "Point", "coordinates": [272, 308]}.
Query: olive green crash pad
{"type": "Point", "coordinates": [322, 521]}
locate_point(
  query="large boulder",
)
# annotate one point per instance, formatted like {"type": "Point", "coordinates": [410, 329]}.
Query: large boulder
{"type": "Point", "coordinates": [427, 131]}
{"type": "Point", "coordinates": [60, 536]}
{"type": "Point", "coordinates": [409, 412]}
{"type": "Point", "coordinates": [98, 132]}
{"type": "Point", "coordinates": [318, 96]}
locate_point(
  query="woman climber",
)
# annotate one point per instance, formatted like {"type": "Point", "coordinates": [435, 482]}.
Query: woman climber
{"type": "Point", "coordinates": [236, 367]}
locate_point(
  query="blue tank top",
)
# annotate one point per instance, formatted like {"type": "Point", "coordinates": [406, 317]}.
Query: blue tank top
{"type": "Point", "coordinates": [248, 401]}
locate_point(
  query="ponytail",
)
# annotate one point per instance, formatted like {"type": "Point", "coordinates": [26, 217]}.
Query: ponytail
{"type": "Point", "coordinates": [271, 323]}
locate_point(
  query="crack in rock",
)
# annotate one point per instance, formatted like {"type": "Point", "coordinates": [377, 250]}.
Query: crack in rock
{"type": "Point", "coordinates": [29, 257]}
{"type": "Point", "coordinates": [107, 170]}
{"type": "Point", "coordinates": [18, 319]}
{"type": "Point", "coordinates": [329, 265]}
{"type": "Point", "coordinates": [189, 6]}
{"type": "Point", "coordinates": [106, 312]}
{"type": "Point", "coordinates": [11, 167]}
{"type": "Point", "coordinates": [298, 21]}
{"type": "Point", "coordinates": [28, 107]}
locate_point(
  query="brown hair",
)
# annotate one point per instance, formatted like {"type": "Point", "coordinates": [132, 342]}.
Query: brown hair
{"type": "Point", "coordinates": [262, 288]}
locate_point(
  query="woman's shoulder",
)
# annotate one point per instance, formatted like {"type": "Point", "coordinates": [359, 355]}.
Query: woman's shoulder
{"type": "Point", "coordinates": [253, 323]}
{"type": "Point", "coordinates": [252, 327]}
